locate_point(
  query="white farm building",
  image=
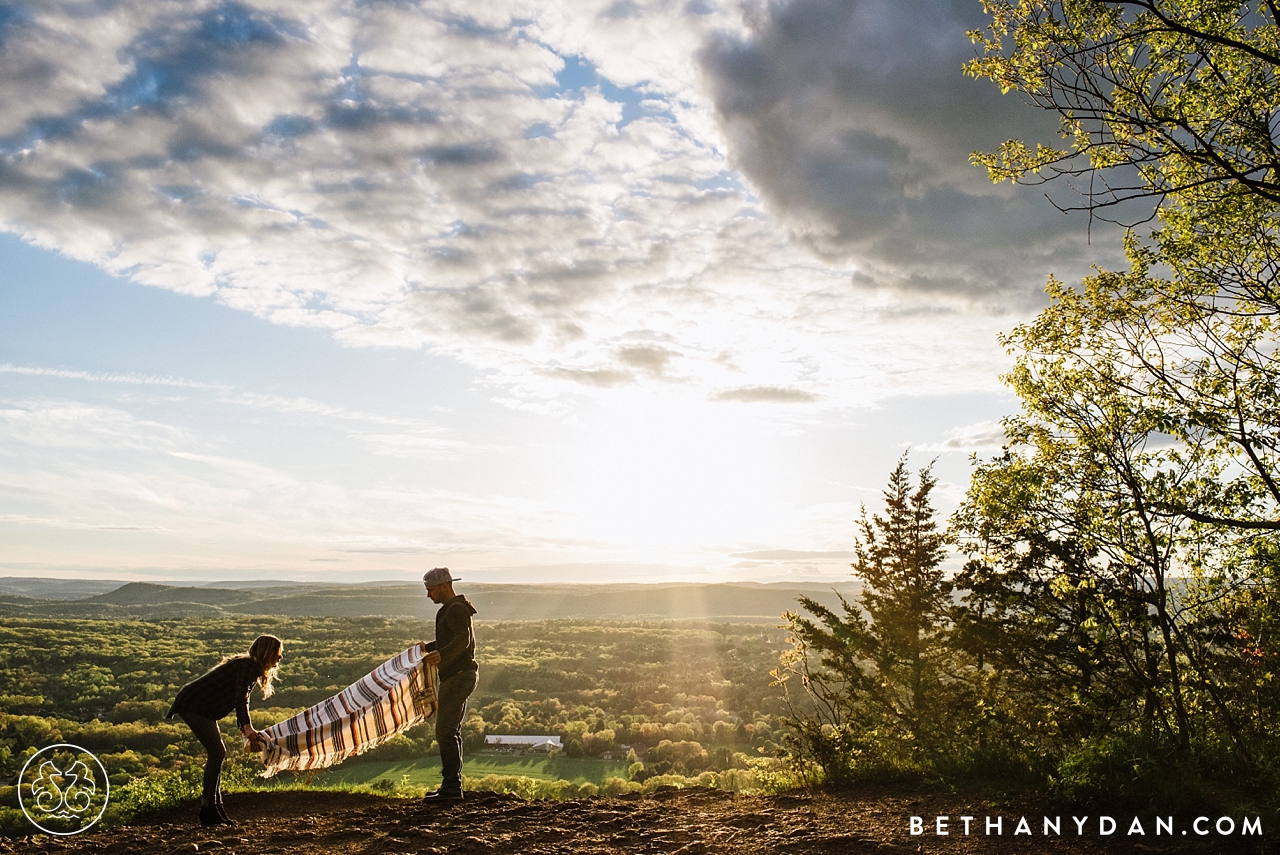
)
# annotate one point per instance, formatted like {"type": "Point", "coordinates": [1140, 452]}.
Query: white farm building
{"type": "Point", "coordinates": [523, 743]}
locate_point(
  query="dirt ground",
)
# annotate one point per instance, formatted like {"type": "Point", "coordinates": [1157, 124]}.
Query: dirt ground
{"type": "Point", "coordinates": [669, 821]}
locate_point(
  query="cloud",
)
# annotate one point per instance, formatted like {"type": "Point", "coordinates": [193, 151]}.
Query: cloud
{"type": "Point", "coordinates": [112, 377]}
{"type": "Point", "coordinates": [553, 194]}
{"type": "Point", "coordinates": [67, 524]}
{"type": "Point", "coordinates": [792, 555]}
{"type": "Point", "coordinates": [367, 169]}
{"type": "Point", "coordinates": [94, 468]}
{"type": "Point", "coordinates": [765, 394]}
{"type": "Point", "coordinates": [72, 425]}
{"type": "Point", "coordinates": [603, 378]}
{"type": "Point", "coordinates": [983, 436]}
{"type": "Point", "coordinates": [49, 421]}
{"type": "Point", "coordinates": [647, 358]}
{"type": "Point", "coordinates": [419, 432]}
{"type": "Point", "coordinates": [853, 120]}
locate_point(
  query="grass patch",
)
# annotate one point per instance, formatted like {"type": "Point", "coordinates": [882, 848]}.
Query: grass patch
{"type": "Point", "coordinates": [425, 772]}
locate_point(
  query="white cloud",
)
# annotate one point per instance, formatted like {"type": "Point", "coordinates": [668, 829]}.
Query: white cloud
{"type": "Point", "coordinates": [112, 377]}
{"type": "Point", "coordinates": [76, 425]}
{"type": "Point", "coordinates": [85, 468]}
{"type": "Point", "coordinates": [43, 422]}
{"type": "Point", "coordinates": [522, 185]}
{"type": "Point", "coordinates": [980, 437]}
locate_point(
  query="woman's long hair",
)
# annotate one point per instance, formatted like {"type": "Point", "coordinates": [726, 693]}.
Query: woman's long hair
{"type": "Point", "coordinates": [262, 652]}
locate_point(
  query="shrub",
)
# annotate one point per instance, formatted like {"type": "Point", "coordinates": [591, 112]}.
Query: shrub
{"type": "Point", "coordinates": [14, 823]}
{"type": "Point", "coordinates": [531, 788]}
{"type": "Point", "coordinates": [618, 787]}
{"type": "Point", "coordinates": [1132, 771]}
{"type": "Point", "coordinates": [143, 797]}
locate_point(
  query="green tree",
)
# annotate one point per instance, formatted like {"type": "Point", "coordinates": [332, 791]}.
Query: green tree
{"type": "Point", "coordinates": [1029, 629]}
{"type": "Point", "coordinates": [1095, 609]}
{"type": "Point", "coordinates": [1150, 394]}
{"type": "Point", "coordinates": [1166, 99]}
{"type": "Point", "coordinates": [1171, 100]}
{"type": "Point", "coordinates": [899, 558]}
{"type": "Point", "coordinates": [871, 674]}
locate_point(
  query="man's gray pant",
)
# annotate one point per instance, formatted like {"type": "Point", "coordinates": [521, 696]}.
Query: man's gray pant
{"type": "Point", "coordinates": [451, 706]}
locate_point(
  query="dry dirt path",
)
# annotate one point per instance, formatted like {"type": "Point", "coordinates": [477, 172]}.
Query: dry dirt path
{"type": "Point", "coordinates": [687, 822]}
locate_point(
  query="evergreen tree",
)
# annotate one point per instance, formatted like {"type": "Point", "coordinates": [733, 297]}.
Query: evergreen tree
{"type": "Point", "coordinates": [899, 558]}
{"type": "Point", "coordinates": [872, 674]}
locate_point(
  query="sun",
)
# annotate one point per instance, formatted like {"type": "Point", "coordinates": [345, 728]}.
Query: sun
{"type": "Point", "coordinates": [660, 472]}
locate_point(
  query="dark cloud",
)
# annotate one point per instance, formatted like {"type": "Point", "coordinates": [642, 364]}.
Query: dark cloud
{"type": "Point", "coordinates": [854, 120]}
{"type": "Point", "coordinates": [463, 155]}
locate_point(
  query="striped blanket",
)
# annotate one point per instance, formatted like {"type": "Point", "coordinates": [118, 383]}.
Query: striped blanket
{"type": "Point", "coordinates": [398, 694]}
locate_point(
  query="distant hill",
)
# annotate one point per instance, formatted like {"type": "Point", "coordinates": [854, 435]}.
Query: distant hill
{"type": "Point", "coordinates": [525, 602]}
{"type": "Point", "coordinates": [149, 593]}
{"type": "Point", "coordinates": [55, 589]}
{"type": "Point", "coordinates": [731, 601]}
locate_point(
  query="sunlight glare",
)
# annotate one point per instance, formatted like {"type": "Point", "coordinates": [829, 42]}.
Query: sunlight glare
{"type": "Point", "coordinates": [662, 472]}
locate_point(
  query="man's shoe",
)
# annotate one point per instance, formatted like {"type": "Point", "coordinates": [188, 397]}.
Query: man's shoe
{"type": "Point", "coordinates": [209, 815]}
{"type": "Point", "coordinates": [443, 796]}
{"type": "Point", "coordinates": [222, 814]}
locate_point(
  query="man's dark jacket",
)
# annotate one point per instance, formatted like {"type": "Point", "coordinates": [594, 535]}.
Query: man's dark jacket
{"type": "Point", "coordinates": [454, 638]}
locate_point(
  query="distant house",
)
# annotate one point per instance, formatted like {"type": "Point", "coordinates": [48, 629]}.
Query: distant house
{"type": "Point", "coordinates": [523, 743]}
{"type": "Point", "coordinates": [617, 752]}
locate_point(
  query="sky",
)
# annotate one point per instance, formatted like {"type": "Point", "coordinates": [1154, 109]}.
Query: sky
{"type": "Point", "coordinates": [543, 292]}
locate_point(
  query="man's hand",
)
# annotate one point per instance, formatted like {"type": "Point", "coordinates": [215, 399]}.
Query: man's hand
{"type": "Point", "coordinates": [432, 658]}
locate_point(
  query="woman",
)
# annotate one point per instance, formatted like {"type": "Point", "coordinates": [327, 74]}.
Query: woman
{"type": "Point", "coordinates": [206, 699]}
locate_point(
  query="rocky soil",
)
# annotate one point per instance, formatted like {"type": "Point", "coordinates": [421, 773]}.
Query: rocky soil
{"type": "Point", "coordinates": [672, 822]}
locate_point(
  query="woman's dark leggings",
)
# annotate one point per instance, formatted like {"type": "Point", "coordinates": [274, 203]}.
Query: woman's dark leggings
{"type": "Point", "coordinates": [206, 730]}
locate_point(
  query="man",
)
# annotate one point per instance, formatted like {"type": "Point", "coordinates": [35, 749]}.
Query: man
{"type": "Point", "coordinates": [454, 651]}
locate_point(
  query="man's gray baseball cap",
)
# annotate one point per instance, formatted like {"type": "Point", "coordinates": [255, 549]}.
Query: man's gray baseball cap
{"type": "Point", "coordinates": [438, 576]}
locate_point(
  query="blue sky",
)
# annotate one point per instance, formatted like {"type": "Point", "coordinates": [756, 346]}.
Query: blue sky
{"type": "Point", "coordinates": [620, 291]}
